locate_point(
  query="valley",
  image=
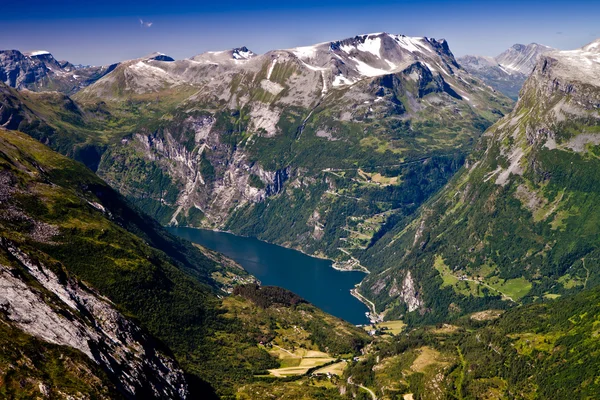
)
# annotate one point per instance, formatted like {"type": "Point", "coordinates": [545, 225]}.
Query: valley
{"type": "Point", "coordinates": [362, 218]}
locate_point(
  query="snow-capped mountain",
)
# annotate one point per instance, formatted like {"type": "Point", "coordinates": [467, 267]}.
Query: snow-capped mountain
{"type": "Point", "coordinates": [39, 70]}
{"type": "Point", "coordinates": [508, 71]}
{"type": "Point", "coordinates": [522, 58]}
{"type": "Point", "coordinates": [338, 63]}
{"type": "Point", "coordinates": [287, 116]}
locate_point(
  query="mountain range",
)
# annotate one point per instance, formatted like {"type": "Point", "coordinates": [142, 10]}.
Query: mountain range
{"type": "Point", "coordinates": [40, 71]}
{"type": "Point", "coordinates": [474, 216]}
{"type": "Point", "coordinates": [508, 71]}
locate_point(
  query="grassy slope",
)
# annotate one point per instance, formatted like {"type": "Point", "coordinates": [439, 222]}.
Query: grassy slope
{"type": "Point", "coordinates": [534, 236]}
{"type": "Point", "coordinates": [538, 351]}
{"type": "Point", "coordinates": [439, 131]}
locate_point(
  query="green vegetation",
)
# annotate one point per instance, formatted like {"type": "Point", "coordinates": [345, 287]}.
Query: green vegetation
{"type": "Point", "coordinates": [537, 351]}
{"type": "Point", "coordinates": [492, 237]}
{"type": "Point", "coordinates": [167, 285]}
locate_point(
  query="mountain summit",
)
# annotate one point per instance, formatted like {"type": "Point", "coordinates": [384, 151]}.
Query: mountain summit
{"type": "Point", "coordinates": [507, 71]}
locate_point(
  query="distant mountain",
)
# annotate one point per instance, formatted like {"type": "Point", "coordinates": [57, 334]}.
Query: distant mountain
{"type": "Point", "coordinates": [39, 70]}
{"type": "Point", "coordinates": [520, 222]}
{"type": "Point", "coordinates": [508, 71]}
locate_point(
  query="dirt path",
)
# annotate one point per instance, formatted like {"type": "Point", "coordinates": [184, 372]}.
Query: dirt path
{"type": "Point", "coordinates": [588, 273]}
{"type": "Point", "coordinates": [287, 351]}
{"type": "Point", "coordinates": [372, 393]}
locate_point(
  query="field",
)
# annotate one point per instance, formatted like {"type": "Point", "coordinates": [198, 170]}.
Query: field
{"type": "Point", "coordinates": [392, 327]}
{"type": "Point", "coordinates": [297, 362]}
{"type": "Point", "coordinates": [334, 369]}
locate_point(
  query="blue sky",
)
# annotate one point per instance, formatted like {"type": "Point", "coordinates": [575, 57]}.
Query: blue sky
{"type": "Point", "coordinates": [106, 31]}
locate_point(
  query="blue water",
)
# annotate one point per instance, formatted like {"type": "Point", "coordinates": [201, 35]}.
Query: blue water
{"type": "Point", "coordinates": [310, 277]}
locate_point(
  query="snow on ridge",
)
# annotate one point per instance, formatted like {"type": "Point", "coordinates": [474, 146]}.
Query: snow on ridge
{"type": "Point", "coordinates": [341, 80]}
{"type": "Point", "coordinates": [367, 70]}
{"type": "Point", "coordinates": [305, 52]}
{"type": "Point", "coordinates": [38, 53]}
{"type": "Point", "coordinates": [242, 55]}
{"type": "Point", "coordinates": [371, 45]}
{"type": "Point", "coordinates": [409, 43]}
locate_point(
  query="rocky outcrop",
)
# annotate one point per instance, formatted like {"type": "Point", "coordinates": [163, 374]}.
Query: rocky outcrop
{"type": "Point", "coordinates": [60, 310]}
{"type": "Point", "coordinates": [521, 210]}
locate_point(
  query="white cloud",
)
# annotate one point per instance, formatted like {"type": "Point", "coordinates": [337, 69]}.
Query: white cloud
{"type": "Point", "coordinates": [145, 24]}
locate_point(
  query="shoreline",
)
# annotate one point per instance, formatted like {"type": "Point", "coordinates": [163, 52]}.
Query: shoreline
{"type": "Point", "coordinates": [373, 316]}
{"type": "Point", "coordinates": [334, 264]}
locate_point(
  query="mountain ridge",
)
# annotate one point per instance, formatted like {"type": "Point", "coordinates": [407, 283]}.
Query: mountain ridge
{"type": "Point", "coordinates": [40, 71]}
{"type": "Point", "coordinates": [507, 71]}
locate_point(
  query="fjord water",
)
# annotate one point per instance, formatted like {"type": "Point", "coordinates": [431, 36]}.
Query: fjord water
{"type": "Point", "coordinates": [310, 277]}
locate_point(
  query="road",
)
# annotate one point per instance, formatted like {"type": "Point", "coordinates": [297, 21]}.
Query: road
{"type": "Point", "coordinates": [372, 393]}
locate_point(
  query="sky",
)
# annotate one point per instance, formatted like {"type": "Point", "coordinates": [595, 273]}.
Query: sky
{"type": "Point", "coordinates": [107, 31]}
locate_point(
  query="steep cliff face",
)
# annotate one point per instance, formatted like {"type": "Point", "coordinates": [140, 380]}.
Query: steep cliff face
{"type": "Point", "coordinates": [84, 275]}
{"type": "Point", "coordinates": [66, 312]}
{"type": "Point", "coordinates": [518, 223]}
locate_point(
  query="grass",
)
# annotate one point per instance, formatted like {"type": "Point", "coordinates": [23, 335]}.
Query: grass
{"type": "Point", "coordinates": [444, 270]}
{"type": "Point", "coordinates": [426, 358]}
{"type": "Point", "coordinates": [526, 343]}
{"type": "Point", "coordinates": [297, 361]}
{"type": "Point", "coordinates": [334, 369]}
{"type": "Point", "coordinates": [390, 327]}
{"type": "Point", "coordinates": [570, 282]}
{"type": "Point", "coordinates": [516, 288]}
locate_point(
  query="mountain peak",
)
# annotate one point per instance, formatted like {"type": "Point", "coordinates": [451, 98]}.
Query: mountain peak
{"type": "Point", "coordinates": [521, 58]}
{"type": "Point", "coordinates": [580, 65]}
{"type": "Point", "coordinates": [157, 56]}
{"type": "Point", "coordinates": [242, 53]}
{"type": "Point", "coordinates": [593, 47]}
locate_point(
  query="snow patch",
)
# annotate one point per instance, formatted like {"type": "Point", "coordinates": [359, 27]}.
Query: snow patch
{"type": "Point", "coordinates": [367, 70]}
{"type": "Point", "coordinates": [371, 45]}
{"type": "Point", "coordinates": [271, 67]}
{"type": "Point", "coordinates": [305, 52]}
{"type": "Point", "coordinates": [39, 53]}
{"type": "Point", "coordinates": [341, 80]}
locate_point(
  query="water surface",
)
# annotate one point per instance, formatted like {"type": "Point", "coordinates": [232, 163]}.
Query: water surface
{"type": "Point", "coordinates": [310, 277]}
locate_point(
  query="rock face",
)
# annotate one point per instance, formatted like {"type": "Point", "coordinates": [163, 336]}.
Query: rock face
{"type": "Point", "coordinates": [40, 71]}
{"type": "Point", "coordinates": [515, 223]}
{"type": "Point", "coordinates": [66, 312]}
{"type": "Point", "coordinates": [508, 71]}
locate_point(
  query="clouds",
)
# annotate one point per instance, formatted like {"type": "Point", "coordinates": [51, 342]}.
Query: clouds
{"type": "Point", "coordinates": [146, 24]}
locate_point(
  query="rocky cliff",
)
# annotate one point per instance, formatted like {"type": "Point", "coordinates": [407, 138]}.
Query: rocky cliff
{"type": "Point", "coordinates": [281, 145]}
